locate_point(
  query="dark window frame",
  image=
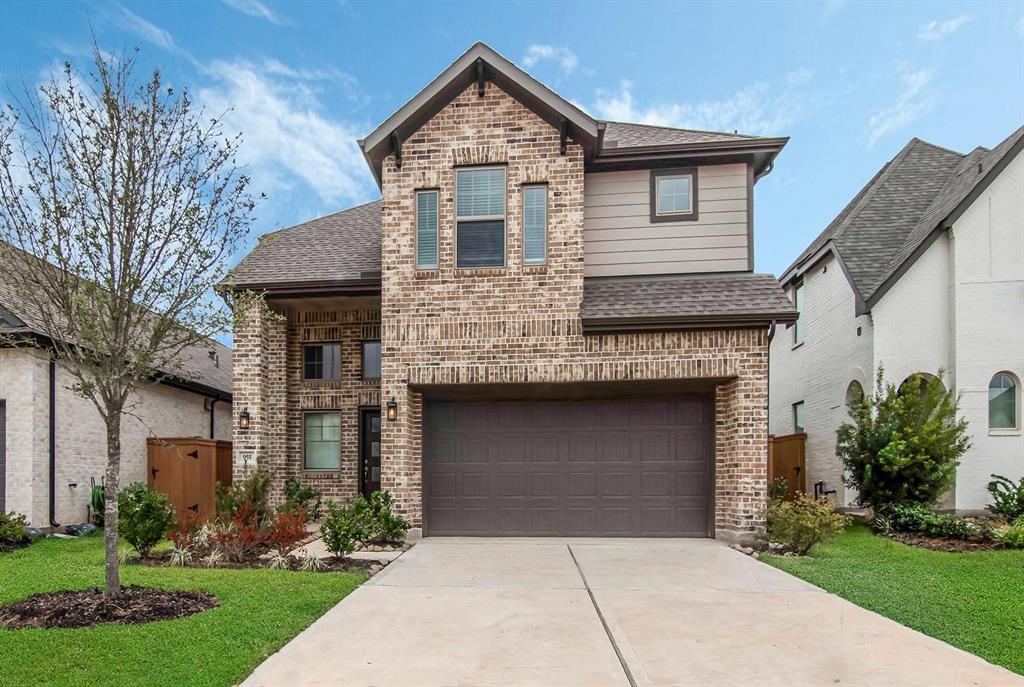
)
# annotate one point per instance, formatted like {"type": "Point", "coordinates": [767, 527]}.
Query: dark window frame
{"type": "Point", "coordinates": [319, 411]}
{"type": "Point", "coordinates": [323, 377]}
{"type": "Point", "coordinates": [479, 219]}
{"type": "Point", "coordinates": [691, 216]}
{"type": "Point", "coordinates": [362, 359]}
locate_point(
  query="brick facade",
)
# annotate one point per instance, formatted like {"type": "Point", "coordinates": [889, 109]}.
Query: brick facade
{"type": "Point", "coordinates": [509, 325]}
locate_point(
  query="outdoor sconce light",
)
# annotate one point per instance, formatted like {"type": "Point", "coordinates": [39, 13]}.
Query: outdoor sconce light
{"type": "Point", "coordinates": [392, 410]}
{"type": "Point", "coordinates": [243, 419]}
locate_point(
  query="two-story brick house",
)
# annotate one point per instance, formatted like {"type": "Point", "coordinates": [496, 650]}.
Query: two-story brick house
{"type": "Point", "coordinates": [557, 315]}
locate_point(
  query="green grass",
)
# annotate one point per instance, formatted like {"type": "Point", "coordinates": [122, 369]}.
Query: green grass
{"type": "Point", "coordinates": [970, 600]}
{"type": "Point", "coordinates": [260, 610]}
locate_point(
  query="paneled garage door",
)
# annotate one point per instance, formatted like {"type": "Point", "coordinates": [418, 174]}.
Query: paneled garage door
{"type": "Point", "coordinates": [629, 467]}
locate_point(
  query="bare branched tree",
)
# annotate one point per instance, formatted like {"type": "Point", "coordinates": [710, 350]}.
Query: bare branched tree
{"type": "Point", "coordinates": [120, 204]}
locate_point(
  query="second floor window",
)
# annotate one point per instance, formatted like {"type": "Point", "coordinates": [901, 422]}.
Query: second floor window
{"type": "Point", "coordinates": [371, 360]}
{"type": "Point", "coordinates": [535, 224]}
{"type": "Point", "coordinates": [480, 217]}
{"type": "Point", "coordinates": [426, 230]}
{"type": "Point", "coordinates": [321, 361]}
{"type": "Point", "coordinates": [798, 326]}
{"type": "Point", "coordinates": [798, 417]}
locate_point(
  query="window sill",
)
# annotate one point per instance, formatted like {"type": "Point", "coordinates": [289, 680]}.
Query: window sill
{"type": "Point", "coordinates": [1004, 432]}
{"type": "Point", "coordinates": [463, 272]}
{"type": "Point", "coordinates": [322, 382]}
{"type": "Point", "coordinates": [320, 473]}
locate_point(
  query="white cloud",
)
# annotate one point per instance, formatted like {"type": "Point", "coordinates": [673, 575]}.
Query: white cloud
{"type": "Point", "coordinates": [937, 30]}
{"type": "Point", "coordinates": [146, 30]}
{"type": "Point", "coordinates": [562, 55]}
{"type": "Point", "coordinates": [756, 109]}
{"type": "Point", "coordinates": [288, 139]}
{"type": "Point", "coordinates": [912, 101]}
{"type": "Point", "coordinates": [255, 8]}
{"type": "Point", "coordinates": [799, 76]}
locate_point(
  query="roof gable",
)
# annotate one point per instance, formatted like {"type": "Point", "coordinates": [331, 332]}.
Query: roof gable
{"type": "Point", "coordinates": [478, 64]}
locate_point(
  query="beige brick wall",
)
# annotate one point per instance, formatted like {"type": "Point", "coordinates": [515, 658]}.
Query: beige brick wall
{"type": "Point", "coordinates": [81, 435]}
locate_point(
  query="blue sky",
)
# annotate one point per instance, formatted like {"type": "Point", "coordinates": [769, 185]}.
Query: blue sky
{"type": "Point", "coordinates": [849, 82]}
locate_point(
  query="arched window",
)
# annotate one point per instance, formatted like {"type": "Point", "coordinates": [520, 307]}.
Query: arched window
{"type": "Point", "coordinates": [1002, 401]}
{"type": "Point", "coordinates": [919, 381]}
{"type": "Point", "coordinates": [854, 393]}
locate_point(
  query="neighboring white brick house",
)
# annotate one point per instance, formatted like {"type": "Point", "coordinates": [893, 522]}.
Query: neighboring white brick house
{"type": "Point", "coordinates": [80, 436]}
{"type": "Point", "coordinates": [923, 271]}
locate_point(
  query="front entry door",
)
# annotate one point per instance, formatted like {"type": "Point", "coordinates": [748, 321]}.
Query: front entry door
{"type": "Point", "coordinates": [369, 450]}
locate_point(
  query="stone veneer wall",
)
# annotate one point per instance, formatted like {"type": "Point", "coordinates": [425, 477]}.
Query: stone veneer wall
{"type": "Point", "coordinates": [522, 324]}
{"type": "Point", "coordinates": [268, 381]}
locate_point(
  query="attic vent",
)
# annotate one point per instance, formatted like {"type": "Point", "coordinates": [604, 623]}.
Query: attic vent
{"type": "Point", "coordinates": [215, 358]}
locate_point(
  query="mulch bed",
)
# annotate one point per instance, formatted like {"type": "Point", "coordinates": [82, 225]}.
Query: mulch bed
{"type": "Point", "coordinates": [940, 544]}
{"type": "Point", "coordinates": [327, 564]}
{"type": "Point", "coordinates": [85, 608]}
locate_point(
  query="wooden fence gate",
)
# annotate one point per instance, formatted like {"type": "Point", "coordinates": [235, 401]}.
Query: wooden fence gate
{"type": "Point", "coordinates": [786, 459]}
{"type": "Point", "coordinates": [187, 470]}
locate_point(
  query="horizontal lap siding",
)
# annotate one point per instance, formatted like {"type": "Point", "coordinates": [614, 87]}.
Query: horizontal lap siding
{"type": "Point", "coordinates": [619, 238]}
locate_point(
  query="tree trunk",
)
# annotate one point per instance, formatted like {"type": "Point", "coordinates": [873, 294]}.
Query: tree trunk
{"type": "Point", "coordinates": [111, 565]}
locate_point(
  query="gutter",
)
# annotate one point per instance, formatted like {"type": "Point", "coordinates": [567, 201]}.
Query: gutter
{"type": "Point", "coordinates": [53, 443]}
{"type": "Point", "coordinates": [665, 323]}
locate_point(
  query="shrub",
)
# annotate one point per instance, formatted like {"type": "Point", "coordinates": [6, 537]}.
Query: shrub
{"type": "Point", "coordinates": [144, 517]}
{"type": "Point", "coordinates": [287, 530]}
{"type": "Point", "coordinates": [12, 531]}
{"type": "Point", "coordinates": [1007, 498]}
{"type": "Point", "coordinates": [779, 488]}
{"type": "Point", "coordinates": [915, 517]}
{"type": "Point", "coordinates": [1010, 536]}
{"type": "Point", "coordinates": [253, 490]}
{"type": "Point", "coordinates": [342, 528]}
{"type": "Point", "coordinates": [186, 526]}
{"type": "Point", "coordinates": [98, 502]}
{"type": "Point", "coordinates": [302, 496]}
{"type": "Point", "coordinates": [902, 446]}
{"type": "Point", "coordinates": [361, 520]}
{"type": "Point", "coordinates": [384, 524]}
{"type": "Point", "coordinates": [803, 521]}
{"type": "Point", "coordinates": [243, 537]}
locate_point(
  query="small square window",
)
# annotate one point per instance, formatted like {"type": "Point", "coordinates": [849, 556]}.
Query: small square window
{"type": "Point", "coordinates": [371, 360]}
{"type": "Point", "coordinates": [673, 195]}
{"type": "Point", "coordinates": [321, 361]}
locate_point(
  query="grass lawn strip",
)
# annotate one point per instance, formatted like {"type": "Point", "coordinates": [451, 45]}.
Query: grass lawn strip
{"type": "Point", "coordinates": [259, 611]}
{"type": "Point", "coordinates": [970, 600]}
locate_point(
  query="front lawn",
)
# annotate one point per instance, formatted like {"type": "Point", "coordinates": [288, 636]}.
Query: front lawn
{"type": "Point", "coordinates": [969, 600]}
{"type": "Point", "coordinates": [260, 610]}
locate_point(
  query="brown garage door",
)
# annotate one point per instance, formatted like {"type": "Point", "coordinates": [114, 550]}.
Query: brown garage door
{"type": "Point", "coordinates": [630, 467]}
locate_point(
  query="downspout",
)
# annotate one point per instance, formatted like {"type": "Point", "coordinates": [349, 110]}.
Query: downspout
{"type": "Point", "coordinates": [53, 443]}
{"type": "Point", "coordinates": [768, 375]}
{"type": "Point", "coordinates": [213, 405]}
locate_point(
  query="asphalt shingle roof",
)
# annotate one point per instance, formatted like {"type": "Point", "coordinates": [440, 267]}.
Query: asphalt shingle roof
{"type": "Point", "coordinates": [339, 247]}
{"type": "Point", "coordinates": [626, 135]}
{"type": "Point", "coordinates": [908, 199]}
{"type": "Point", "coordinates": [757, 296]}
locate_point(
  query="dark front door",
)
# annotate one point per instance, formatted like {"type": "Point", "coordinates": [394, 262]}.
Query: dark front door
{"type": "Point", "coordinates": [369, 450]}
{"type": "Point", "coordinates": [603, 467]}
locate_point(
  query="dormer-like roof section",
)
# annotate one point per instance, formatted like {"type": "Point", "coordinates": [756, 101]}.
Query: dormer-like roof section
{"type": "Point", "coordinates": [480, 64]}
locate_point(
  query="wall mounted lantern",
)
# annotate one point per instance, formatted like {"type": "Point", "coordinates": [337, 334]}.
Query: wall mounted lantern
{"type": "Point", "coordinates": [243, 419]}
{"type": "Point", "coordinates": [392, 413]}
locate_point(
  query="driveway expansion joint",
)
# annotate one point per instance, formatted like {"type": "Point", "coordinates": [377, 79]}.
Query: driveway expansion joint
{"type": "Point", "coordinates": [604, 623]}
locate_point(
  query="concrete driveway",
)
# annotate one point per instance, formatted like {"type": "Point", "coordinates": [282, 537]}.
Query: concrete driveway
{"type": "Point", "coordinates": [595, 613]}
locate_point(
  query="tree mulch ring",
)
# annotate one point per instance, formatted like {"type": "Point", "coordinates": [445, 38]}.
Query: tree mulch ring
{"type": "Point", "coordinates": [85, 608]}
{"type": "Point", "coordinates": [940, 544]}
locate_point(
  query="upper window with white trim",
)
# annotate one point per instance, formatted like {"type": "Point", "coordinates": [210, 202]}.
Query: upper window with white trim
{"type": "Point", "coordinates": [426, 230]}
{"type": "Point", "coordinates": [1002, 402]}
{"type": "Point", "coordinates": [673, 195]}
{"type": "Point", "coordinates": [480, 217]}
{"type": "Point", "coordinates": [535, 225]}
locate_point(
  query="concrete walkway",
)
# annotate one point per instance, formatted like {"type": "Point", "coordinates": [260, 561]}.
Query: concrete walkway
{"type": "Point", "coordinates": [615, 613]}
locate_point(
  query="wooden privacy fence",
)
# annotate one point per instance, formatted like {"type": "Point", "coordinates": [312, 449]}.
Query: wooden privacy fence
{"type": "Point", "coordinates": [187, 470]}
{"type": "Point", "coordinates": [786, 459]}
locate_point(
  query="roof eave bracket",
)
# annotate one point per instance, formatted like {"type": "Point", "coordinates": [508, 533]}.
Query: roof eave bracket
{"type": "Point", "coordinates": [396, 146]}
{"type": "Point", "coordinates": [563, 136]}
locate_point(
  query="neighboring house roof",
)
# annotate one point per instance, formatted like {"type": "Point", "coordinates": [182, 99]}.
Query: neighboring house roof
{"type": "Point", "coordinates": [896, 216]}
{"type": "Point", "coordinates": [205, 368]}
{"type": "Point", "coordinates": [339, 248]}
{"type": "Point", "coordinates": [678, 300]}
